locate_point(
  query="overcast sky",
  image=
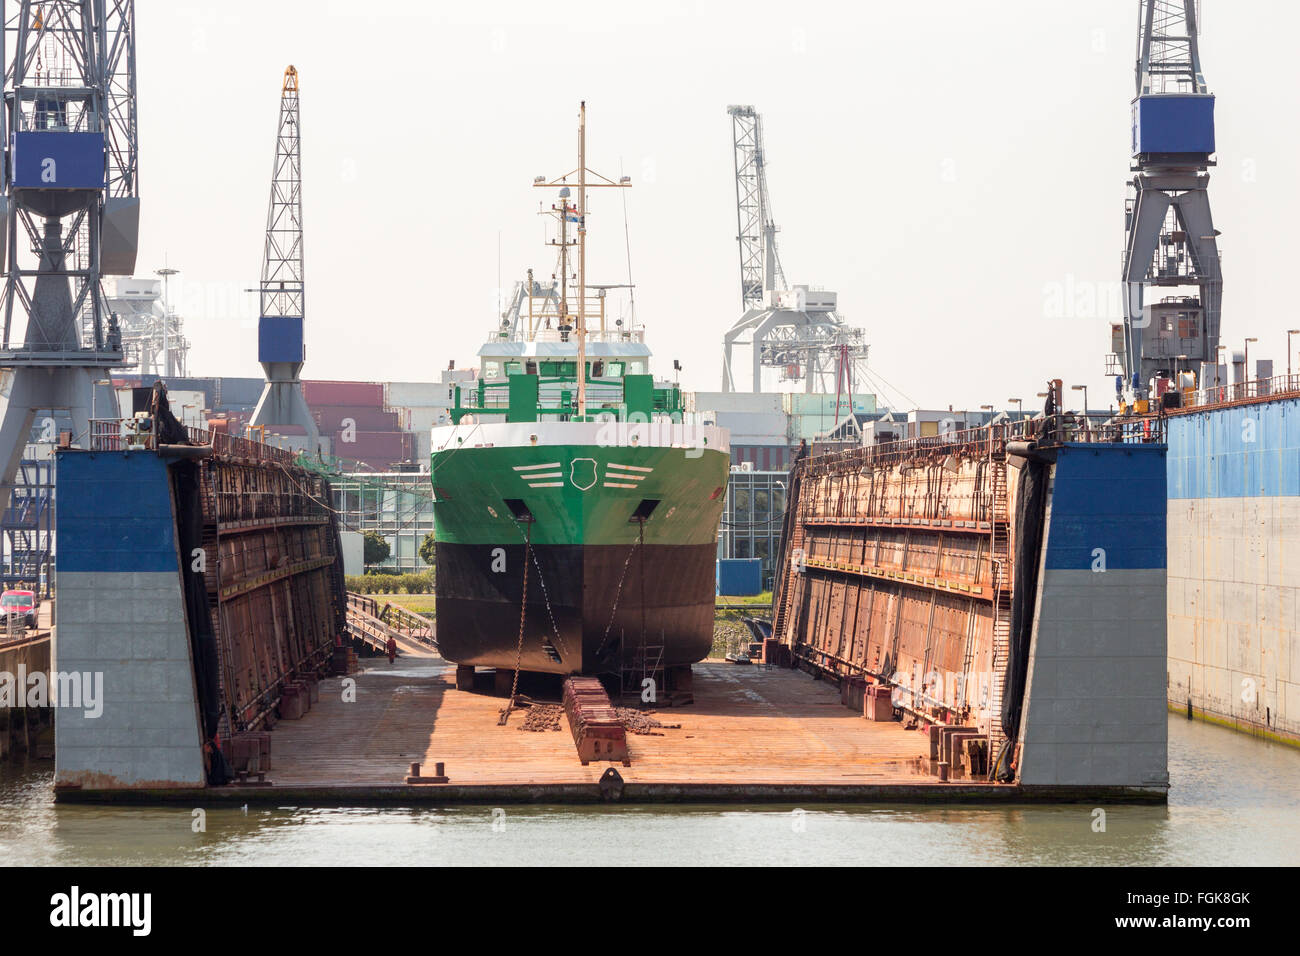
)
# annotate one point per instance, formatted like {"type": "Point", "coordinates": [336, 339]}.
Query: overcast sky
{"type": "Point", "coordinates": [955, 170]}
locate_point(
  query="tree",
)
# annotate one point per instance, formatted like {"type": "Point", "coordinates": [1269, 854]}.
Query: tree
{"type": "Point", "coordinates": [376, 550]}
{"type": "Point", "coordinates": [427, 548]}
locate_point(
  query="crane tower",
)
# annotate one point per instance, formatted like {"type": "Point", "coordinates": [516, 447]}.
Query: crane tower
{"type": "Point", "coordinates": [280, 343]}
{"type": "Point", "coordinates": [69, 212]}
{"type": "Point", "coordinates": [1171, 241]}
{"type": "Point", "coordinates": [793, 329]}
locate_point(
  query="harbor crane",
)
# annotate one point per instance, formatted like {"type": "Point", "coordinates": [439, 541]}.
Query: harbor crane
{"type": "Point", "coordinates": [280, 345]}
{"type": "Point", "coordinates": [1170, 239]}
{"type": "Point", "coordinates": [69, 214]}
{"type": "Point", "coordinates": [794, 329]}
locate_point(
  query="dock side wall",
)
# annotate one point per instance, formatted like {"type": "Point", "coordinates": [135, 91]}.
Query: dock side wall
{"type": "Point", "coordinates": [1234, 566]}
{"type": "Point", "coordinates": [122, 626]}
{"type": "Point", "coordinates": [1095, 712]}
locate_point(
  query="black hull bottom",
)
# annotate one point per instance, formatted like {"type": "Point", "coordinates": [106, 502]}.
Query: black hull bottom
{"type": "Point", "coordinates": [599, 623]}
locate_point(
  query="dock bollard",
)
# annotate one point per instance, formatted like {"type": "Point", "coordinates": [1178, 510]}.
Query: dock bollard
{"type": "Point", "coordinates": [943, 771]}
{"type": "Point", "coordinates": [439, 774]}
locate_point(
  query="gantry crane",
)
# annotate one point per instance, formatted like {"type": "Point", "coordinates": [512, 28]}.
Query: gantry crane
{"type": "Point", "coordinates": [794, 329]}
{"type": "Point", "coordinates": [1170, 235]}
{"type": "Point", "coordinates": [280, 344]}
{"type": "Point", "coordinates": [69, 212]}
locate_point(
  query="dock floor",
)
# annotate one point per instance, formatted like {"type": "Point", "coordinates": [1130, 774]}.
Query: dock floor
{"type": "Point", "coordinates": [748, 725]}
{"type": "Point", "coordinates": [753, 734]}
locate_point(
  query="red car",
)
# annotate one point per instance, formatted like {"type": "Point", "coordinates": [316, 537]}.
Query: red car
{"type": "Point", "coordinates": [21, 602]}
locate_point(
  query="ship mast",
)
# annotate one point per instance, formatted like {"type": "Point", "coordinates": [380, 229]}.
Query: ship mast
{"type": "Point", "coordinates": [583, 185]}
{"type": "Point", "coordinates": [582, 260]}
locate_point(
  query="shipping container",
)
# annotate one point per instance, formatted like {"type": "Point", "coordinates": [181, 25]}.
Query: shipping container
{"type": "Point", "coordinates": [802, 403]}
{"type": "Point", "coordinates": [768, 427]}
{"type": "Point", "coordinates": [420, 420]}
{"type": "Point", "coordinates": [369, 394]}
{"type": "Point", "coordinates": [378, 450]}
{"type": "Point", "coordinates": [736, 401]}
{"type": "Point", "coordinates": [810, 426]}
{"type": "Point", "coordinates": [331, 418]}
{"type": "Point", "coordinates": [740, 577]}
{"type": "Point", "coordinates": [416, 394]}
{"type": "Point", "coordinates": [236, 392]}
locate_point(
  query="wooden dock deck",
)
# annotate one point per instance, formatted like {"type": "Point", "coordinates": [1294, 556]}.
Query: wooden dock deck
{"type": "Point", "coordinates": [748, 725]}
{"type": "Point", "coordinates": [752, 735]}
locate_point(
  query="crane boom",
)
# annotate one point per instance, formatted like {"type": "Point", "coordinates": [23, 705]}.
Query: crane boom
{"type": "Point", "coordinates": [1170, 240]}
{"type": "Point", "coordinates": [760, 266]}
{"type": "Point", "coordinates": [795, 331]}
{"type": "Point", "coordinates": [281, 346]}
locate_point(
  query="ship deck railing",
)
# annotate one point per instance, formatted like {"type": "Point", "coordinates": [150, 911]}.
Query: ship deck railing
{"type": "Point", "coordinates": [603, 336]}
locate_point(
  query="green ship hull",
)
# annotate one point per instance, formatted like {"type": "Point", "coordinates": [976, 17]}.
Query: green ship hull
{"type": "Point", "coordinates": [619, 544]}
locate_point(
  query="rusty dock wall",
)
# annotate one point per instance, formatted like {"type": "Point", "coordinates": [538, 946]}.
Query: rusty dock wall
{"type": "Point", "coordinates": [21, 659]}
{"type": "Point", "coordinates": [1003, 585]}
{"type": "Point", "coordinates": [200, 581]}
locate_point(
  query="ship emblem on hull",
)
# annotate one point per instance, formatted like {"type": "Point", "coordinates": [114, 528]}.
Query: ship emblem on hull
{"type": "Point", "coordinates": [582, 472]}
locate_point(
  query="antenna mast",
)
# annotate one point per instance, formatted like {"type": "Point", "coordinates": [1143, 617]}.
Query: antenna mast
{"type": "Point", "coordinates": [584, 184]}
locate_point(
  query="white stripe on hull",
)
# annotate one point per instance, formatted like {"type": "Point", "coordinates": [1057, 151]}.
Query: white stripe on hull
{"type": "Point", "coordinates": [655, 434]}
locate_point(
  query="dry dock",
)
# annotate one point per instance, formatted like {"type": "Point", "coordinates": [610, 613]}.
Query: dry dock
{"type": "Point", "coordinates": [753, 734]}
{"type": "Point", "coordinates": [980, 595]}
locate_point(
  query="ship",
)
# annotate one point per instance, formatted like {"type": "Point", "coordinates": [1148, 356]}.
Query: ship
{"type": "Point", "coordinates": [576, 512]}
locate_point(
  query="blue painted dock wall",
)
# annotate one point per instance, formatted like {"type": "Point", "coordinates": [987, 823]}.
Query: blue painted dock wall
{"type": "Point", "coordinates": [121, 616]}
{"type": "Point", "coordinates": [1094, 709]}
{"type": "Point", "coordinates": [1234, 565]}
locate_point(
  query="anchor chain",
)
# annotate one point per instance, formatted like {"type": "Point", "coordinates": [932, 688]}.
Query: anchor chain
{"type": "Point", "coordinates": [618, 593]}
{"type": "Point", "coordinates": [523, 614]}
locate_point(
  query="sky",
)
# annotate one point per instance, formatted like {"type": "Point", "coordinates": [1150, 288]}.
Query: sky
{"type": "Point", "coordinates": [955, 171]}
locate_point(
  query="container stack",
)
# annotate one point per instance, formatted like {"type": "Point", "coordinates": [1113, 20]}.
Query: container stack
{"type": "Point", "coordinates": [359, 425]}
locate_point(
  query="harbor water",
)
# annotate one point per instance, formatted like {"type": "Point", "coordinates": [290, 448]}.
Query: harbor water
{"type": "Point", "coordinates": [1233, 801]}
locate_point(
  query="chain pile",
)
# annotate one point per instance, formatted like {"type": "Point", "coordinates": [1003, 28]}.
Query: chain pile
{"type": "Point", "coordinates": [642, 722]}
{"type": "Point", "coordinates": [542, 717]}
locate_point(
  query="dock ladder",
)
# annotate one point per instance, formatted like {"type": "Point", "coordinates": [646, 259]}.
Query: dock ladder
{"type": "Point", "coordinates": [647, 660]}
{"type": "Point", "coordinates": [1001, 560]}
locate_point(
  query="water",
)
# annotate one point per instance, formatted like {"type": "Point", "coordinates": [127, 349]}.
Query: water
{"type": "Point", "coordinates": [1233, 802]}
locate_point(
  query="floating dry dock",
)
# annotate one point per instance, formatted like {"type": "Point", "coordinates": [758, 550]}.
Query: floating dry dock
{"type": "Point", "coordinates": [942, 612]}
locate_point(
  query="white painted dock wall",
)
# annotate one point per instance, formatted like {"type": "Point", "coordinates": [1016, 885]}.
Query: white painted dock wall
{"type": "Point", "coordinates": [122, 620]}
{"type": "Point", "coordinates": [1234, 565]}
{"type": "Point", "coordinates": [1094, 711]}
{"type": "Point", "coordinates": [130, 628]}
{"type": "Point", "coordinates": [1234, 589]}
